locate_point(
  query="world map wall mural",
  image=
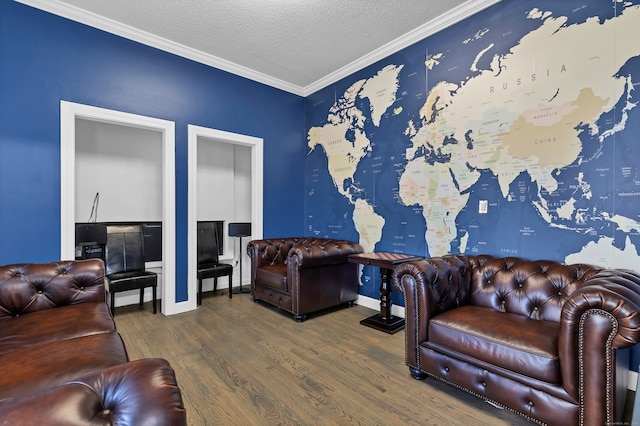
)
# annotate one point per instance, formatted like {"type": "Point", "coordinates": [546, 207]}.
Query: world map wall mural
{"type": "Point", "coordinates": [527, 111]}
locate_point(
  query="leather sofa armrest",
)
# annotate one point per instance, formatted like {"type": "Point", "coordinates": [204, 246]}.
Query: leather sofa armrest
{"type": "Point", "coordinates": [302, 252]}
{"type": "Point", "coordinates": [601, 316]}
{"type": "Point", "coordinates": [135, 393]}
{"type": "Point", "coordinates": [268, 252]}
{"type": "Point", "coordinates": [329, 252]}
{"type": "Point", "coordinates": [438, 283]}
{"type": "Point", "coordinates": [430, 286]}
{"type": "Point", "coordinates": [37, 286]}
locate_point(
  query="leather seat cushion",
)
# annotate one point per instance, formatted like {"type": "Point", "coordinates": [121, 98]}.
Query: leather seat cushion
{"type": "Point", "coordinates": [274, 276]}
{"type": "Point", "coordinates": [209, 270]}
{"type": "Point", "coordinates": [37, 368]}
{"type": "Point", "coordinates": [66, 322]}
{"type": "Point", "coordinates": [514, 342]}
{"type": "Point", "coordinates": [122, 281]}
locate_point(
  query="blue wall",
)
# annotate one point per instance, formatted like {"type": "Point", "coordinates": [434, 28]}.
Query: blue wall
{"type": "Point", "coordinates": [410, 177]}
{"type": "Point", "coordinates": [45, 59]}
{"type": "Point", "coordinates": [565, 189]}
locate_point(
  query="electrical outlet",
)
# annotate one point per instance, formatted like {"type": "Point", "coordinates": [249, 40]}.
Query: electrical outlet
{"type": "Point", "coordinates": [483, 206]}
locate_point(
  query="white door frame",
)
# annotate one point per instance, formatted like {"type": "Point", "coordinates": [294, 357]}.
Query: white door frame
{"type": "Point", "coordinates": [69, 113]}
{"type": "Point", "coordinates": [257, 156]}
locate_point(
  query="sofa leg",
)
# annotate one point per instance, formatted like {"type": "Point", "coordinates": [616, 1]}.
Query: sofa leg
{"type": "Point", "coordinates": [255, 299]}
{"type": "Point", "coordinates": [299, 318]}
{"type": "Point", "coordinates": [351, 304]}
{"type": "Point", "coordinates": [417, 374]}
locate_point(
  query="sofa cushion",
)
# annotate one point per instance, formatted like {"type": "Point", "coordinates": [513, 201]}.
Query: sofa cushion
{"type": "Point", "coordinates": [274, 276]}
{"type": "Point", "coordinates": [36, 368]}
{"type": "Point", "coordinates": [142, 392]}
{"type": "Point", "coordinates": [67, 322]}
{"type": "Point", "coordinates": [520, 344]}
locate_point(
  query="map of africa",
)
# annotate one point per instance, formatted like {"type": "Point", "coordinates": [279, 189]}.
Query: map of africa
{"type": "Point", "coordinates": [530, 111]}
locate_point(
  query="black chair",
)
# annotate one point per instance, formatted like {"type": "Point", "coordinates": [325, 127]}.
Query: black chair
{"type": "Point", "coordinates": [124, 263]}
{"type": "Point", "coordinates": [208, 260]}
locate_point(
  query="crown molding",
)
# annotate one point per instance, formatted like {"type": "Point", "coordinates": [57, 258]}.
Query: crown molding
{"type": "Point", "coordinates": [105, 24]}
{"type": "Point", "coordinates": [454, 16]}
{"type": "Point", "coordinates": [91, 19]}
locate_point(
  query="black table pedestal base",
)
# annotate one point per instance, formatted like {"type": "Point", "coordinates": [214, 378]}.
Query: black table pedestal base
{"type": "Point", "coordinates": [391, 325]}
{"type": "Point", "coordinates": [386, 262]}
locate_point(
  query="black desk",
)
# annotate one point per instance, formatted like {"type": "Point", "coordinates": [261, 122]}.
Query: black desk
{"type": "Point", "coordinates": [383, 321]}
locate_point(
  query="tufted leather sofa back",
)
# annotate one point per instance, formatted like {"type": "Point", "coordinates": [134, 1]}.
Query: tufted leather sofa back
{"type": "Point", "coordinates": [277, 250]}
{"type": "Point", "coordinates": [28, 288]}
{"type": "Point", "coordinates": [535, 289]}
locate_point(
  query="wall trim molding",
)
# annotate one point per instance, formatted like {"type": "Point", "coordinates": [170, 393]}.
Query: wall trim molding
{"type": "Point", "coordinates": [69, 112]}
{"type": "Point", "coordinates": [374, 304]}
{"type": "Point", "coordinates": [454, 16]}
{"type": "Point", "coordinates": [257, 162]}
{"type": "Point", "coordinates": [114, 27]}
{"type": "Point", "coordinates": [91, 19]}
{"type": "Point", "coordinates": [633, 380]}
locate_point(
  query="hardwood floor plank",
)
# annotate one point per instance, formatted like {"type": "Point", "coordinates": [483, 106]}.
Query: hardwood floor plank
{"type": "Point", "coordinates": [243, 363]}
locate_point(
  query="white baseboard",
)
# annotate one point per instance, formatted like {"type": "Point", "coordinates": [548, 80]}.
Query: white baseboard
{"type": "Point", "coordinates": [132, 297]}
{"type": "Point", "coordinates": [374, 304]}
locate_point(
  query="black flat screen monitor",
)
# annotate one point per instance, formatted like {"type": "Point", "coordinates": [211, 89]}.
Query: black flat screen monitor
{"type": "Point", "coordinates": [95, 233]}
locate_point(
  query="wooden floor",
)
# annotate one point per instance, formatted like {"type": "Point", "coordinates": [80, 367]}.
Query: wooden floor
{"type": "Point", "coordinates": [243, 363]}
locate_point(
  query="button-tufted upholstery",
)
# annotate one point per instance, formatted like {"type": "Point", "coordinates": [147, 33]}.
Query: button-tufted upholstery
{"type": "Point", "coordinates": [63, 361]}
{"type": "Point", "coordinates": [303, 275]}
{"type": "Point", "coordinates": [33, 287]}
{"type": "Point", "coordinates": [538, 337]}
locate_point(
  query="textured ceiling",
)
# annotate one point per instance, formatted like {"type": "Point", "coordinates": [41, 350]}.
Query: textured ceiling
{"type": "Point", "coordinates": [296, 43]}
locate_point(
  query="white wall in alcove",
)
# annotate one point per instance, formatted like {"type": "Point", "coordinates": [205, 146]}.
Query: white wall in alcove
{"type": "Point", "coordinates": [210, 152]}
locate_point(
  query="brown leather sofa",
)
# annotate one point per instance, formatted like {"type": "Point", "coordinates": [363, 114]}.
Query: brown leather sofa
{"type": "Point", "coordinates": [63, 362]}
{"type": "Point", "coordinates": [540, 338]}
{"type": "Point", "coordinates": [303, 275]}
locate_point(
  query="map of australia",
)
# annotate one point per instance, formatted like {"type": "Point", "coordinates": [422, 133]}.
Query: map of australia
{"type": "Point", "coordinates": [539, 123]}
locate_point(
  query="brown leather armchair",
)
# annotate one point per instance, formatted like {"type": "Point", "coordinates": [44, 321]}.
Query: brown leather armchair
{"type": "Point", "coordinates": [303, 275]}
{"type": "Point", "coordinates": [543, 339]}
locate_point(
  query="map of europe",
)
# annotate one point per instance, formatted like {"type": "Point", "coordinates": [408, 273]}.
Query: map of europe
{"type": "Point", "coordinates": [515, 132]}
